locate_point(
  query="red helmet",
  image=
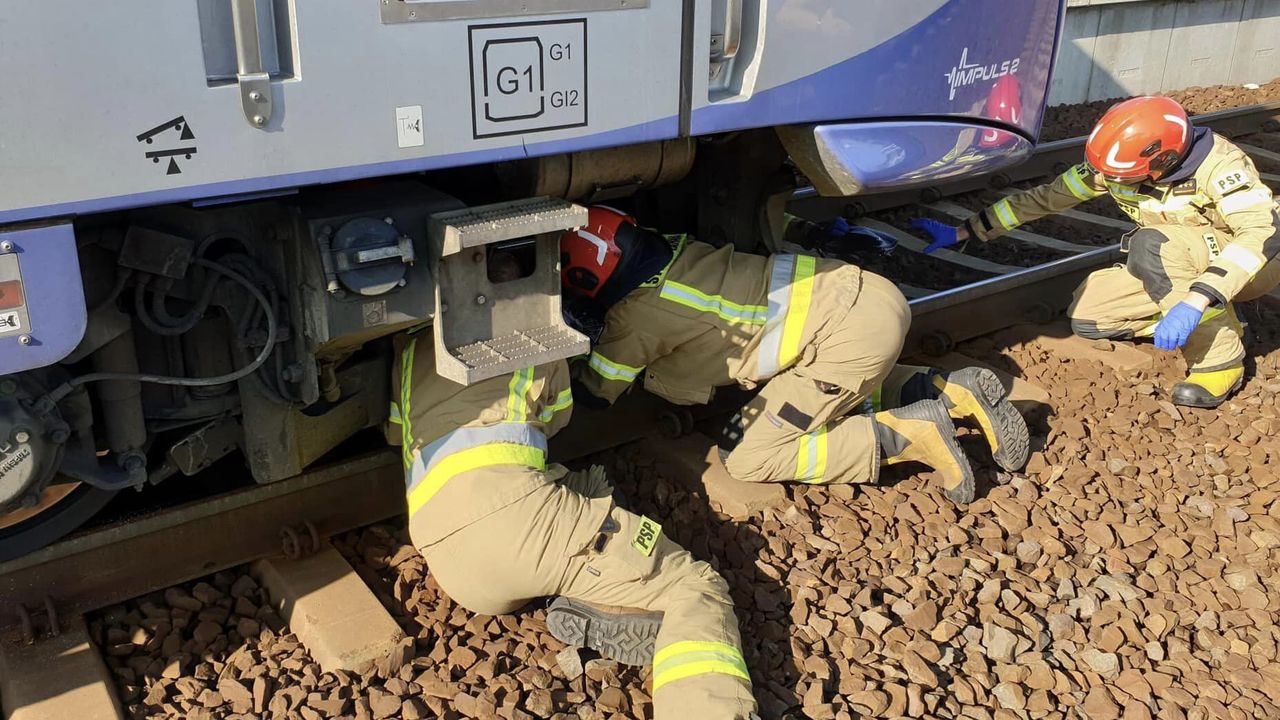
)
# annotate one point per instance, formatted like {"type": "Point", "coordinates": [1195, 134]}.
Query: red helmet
{"type": "Point", "coordinates": [1139, 138]}
{"type": "Point", "coordinates": [1004, 103]}
{"type": "Point", "coordinates": [590, 254]}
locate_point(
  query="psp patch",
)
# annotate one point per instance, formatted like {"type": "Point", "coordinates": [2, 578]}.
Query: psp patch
{"type": "Point", "coordinates": [647, 535]}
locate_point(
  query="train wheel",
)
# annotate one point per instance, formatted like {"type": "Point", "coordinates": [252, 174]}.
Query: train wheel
{"type": "Point", "coordinates": [63, 507]}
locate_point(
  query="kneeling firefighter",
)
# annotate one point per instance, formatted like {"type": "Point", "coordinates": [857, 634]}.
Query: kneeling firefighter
{"type": "Point", "coordinates": [1208, 235]}
{"type": "Point", "coordinates": [823, 334]}
{"type": "Point", "coordinates": [499, 527]}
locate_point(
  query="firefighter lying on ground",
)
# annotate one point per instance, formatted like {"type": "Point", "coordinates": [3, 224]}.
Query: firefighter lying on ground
{"type": "Point", "coordinates": [824, 334]}
{"type": "Point", "coordinates": [1206, 238]}
{"type": "Point", "coordinates": [499, 527]}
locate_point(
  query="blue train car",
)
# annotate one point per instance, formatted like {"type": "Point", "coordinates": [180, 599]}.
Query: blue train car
{"type": "Point", "coordinates": [214, 214]}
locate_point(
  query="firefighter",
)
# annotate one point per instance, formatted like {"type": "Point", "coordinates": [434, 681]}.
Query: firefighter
{"type": "Point", "coordinates": [1206, 238]}
{"type": "Point", "coordinates": [498, 527]}
{"type": "Point", "coordinates": [824, 334]}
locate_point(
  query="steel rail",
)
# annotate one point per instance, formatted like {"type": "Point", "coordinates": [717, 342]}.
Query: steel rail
{"type": "Point", "coordinates": [101, 567]}
{"type": "Point", "coordinates": [1036, 294]}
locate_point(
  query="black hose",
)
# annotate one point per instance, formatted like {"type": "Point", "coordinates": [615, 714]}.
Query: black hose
{"type": "Point", "coordinates": [159, 321]}
{"type": "Point", "coordinates": [185, 323]}
{"type": "Point", "coordinates": [272, 329]}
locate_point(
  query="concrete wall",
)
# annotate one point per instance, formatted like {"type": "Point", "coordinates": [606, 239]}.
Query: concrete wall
{"type": "Point", "coordinates": [1114, 48]}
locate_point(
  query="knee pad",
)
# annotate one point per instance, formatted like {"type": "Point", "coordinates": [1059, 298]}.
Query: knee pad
{"type": "Point", "coordinates": [1146, 263]}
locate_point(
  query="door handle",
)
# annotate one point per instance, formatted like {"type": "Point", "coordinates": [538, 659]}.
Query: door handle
{"type": "Point", "coordinates": [253, 79]}
{"type": "Point", "coordinates": [727, 36]}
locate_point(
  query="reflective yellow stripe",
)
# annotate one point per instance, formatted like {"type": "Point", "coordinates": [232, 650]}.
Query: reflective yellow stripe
{"type": "Point", "coordinates": [611, 370]}
{"type": "Point", "coordinates": [1004, 213]}
{"type": "Point", "coordinates": [517, 395]}
{"type": "Point", "coordinates": [691, 657]}
{"type": "Point", "coordinates": [726, 310]}
{"type": "Point", "coordinates": [685, 646]}
{"type": "Point", "coordinates": [1211, 313]}
{"type": "Point", "coordinates": [1077, 186]}
{"type": "Point", "coordinates": [473, 459]}
{"type": "Point", "coordinates": [790, 292]}
{"type": "Point", "coordinates": [797, 310]}
{"type": "Point", "coordinates": [811, 457]}
{"type": "Point", "coordinates": [393, 415]}
{"type": "Point", "coordinates": [563, 401]}
{"type": "Point", "coordinates": [684, 670]}
{"type": "Point", "coordinates": [406, 390]}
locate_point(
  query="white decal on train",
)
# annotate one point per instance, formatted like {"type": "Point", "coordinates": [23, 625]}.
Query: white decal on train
{"type": "Point", "coordinates": [964, 74]}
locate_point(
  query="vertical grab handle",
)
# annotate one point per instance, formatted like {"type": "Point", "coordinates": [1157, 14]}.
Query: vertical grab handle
{"type": "Point", "coordinates": [726, 32]}
{"type": "Point", "coordinates": [254, 81]}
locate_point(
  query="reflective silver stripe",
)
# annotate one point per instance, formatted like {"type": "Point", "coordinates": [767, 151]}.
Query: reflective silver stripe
{"type": "Point", "coordinates": [1243, 259]}
{"type": "Point", "coordinates": [469, 437]}
{"type": "Point", "coordinates": [1077, 185]}
{"type": "Point", "coordinates": [1237, 201]}
{"type": "Point", "coordinates": [611, 370]}
{"type": "Point", "coordinates": [724, 309]}
{"type": "Point", "coordinates": [784, 268]}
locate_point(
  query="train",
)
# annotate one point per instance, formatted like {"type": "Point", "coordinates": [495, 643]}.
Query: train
{"type": "Point", "coordinates": [215, 214]}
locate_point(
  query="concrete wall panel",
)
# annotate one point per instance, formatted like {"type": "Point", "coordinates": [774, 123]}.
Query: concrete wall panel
{"type": "Point", "coordinates": [1114, 48]}
{"type": "Point", "coordinates": [1202, 44]}
{"type": "Point", "coordinates": [1074, 67]}
{"type": "Point", "coordinates": [1132, 48]}
{"type": "Point", "coordinates": [1257, 51]}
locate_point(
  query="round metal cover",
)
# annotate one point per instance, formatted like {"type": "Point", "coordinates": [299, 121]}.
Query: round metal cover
{"type": "Point", "coordinates": [367, 278]}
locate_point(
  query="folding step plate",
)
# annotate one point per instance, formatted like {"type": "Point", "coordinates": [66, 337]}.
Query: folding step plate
{"type": "Point", "coordinates": [485, 329]}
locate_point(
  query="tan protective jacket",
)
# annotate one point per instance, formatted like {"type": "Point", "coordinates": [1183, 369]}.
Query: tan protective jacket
{"type": "Point", "coordinates": [714, 317]}
{"type": "Point", "coordinates": [1225, 195]}
{"type": "Point", "coordinates": [448, 432]}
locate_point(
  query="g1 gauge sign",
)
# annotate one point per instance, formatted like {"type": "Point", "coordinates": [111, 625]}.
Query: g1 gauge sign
{"type": "Point", "coordinates": [528, 77]}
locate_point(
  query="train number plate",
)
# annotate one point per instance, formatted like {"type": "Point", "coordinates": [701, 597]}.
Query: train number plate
{"type": "Point", "coordinates": [528, 77]}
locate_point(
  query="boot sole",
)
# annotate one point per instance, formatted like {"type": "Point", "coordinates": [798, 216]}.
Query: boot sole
{"type": "Point", "coordinates": [628, 639]}
{"type": "Point", "coordinates": [1013, 437]}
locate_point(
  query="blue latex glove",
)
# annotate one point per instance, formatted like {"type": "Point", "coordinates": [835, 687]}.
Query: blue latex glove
{"type": "Point", "coordinates": [856, 238]}
{"type": "Point", "coordinates": [1173, 330]}
{"type": "Point", "coordinates": [943, 235]}
{"type": "Point", "coordinates": [839, 227]}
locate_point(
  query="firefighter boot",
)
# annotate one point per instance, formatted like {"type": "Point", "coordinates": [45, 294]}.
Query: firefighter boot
{"type": "Point", "coordinates": [922, 432]}
{"type": "Point", "coordinates": [1208, 389]}
{"type": "Point", "coordinates": [623, 634]}
{"type": "Point", "coordinates": [977, 396]}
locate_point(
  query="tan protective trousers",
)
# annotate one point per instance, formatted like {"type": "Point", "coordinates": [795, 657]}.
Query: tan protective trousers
{"type": "Point", "coordinates": [1128, 301]}
{"type": "Point", "coordinates": [794, 431]}
{"type": "Point", "coordinates": [551, 543]}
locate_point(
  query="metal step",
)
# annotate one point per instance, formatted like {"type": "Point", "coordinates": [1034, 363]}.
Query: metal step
{"type": "Point", "coordinates": [486, 329]}
{"type": "Point", "coordinates": [486, 224]}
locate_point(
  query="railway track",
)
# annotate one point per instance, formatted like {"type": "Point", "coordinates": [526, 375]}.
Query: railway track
{"type": "Point", "coordinates": [46, 592]}
{"type": "Point", "coordinates": [1010, 295]}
